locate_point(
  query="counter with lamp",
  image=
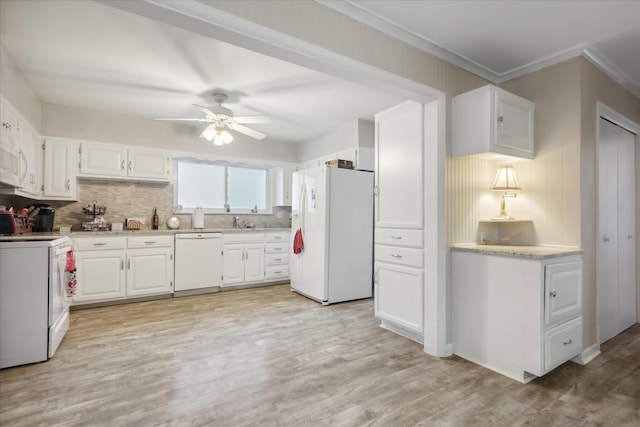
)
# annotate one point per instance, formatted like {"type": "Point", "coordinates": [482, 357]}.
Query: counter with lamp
{"type": "Point", "coordinates": [516, 307]}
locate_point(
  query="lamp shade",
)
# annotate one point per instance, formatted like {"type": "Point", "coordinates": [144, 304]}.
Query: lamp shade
{"type": "Point", "coordinates": [505, 180]}
{"type": "Point", "coordinates": [217, 134]}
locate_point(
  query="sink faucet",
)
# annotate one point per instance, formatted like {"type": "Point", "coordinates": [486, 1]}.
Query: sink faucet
{"type": "Point", "coordinates": [235, 221]}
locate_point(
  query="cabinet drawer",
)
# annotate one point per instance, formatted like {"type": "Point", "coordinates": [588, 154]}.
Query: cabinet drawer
{"type": "Point", "coordinates": [149, 241]}
{"type": "Point", "coordinates": [276, 271]}
{"type": "Point", "coordinates": [390, 236]}
{"type": "Point", "coordinates": [398, 255]}
{"type": "Point", "coordinates": [276, 237]}
{"type": "Point", "coordinates": [276, 259]}
{"type": "Point", "coordinates": [562, 343]}
{"type": "Point", "coordinates": [99, 243]}
{"type": "Point", "coordinates": [276, 248]}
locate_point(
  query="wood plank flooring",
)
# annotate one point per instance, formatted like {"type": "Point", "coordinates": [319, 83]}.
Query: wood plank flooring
{"type": "Point", "coordinates": [270, 357]}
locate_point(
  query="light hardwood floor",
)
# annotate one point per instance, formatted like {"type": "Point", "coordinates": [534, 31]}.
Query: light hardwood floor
{"type": "Point", "coordinates": [269, 357]}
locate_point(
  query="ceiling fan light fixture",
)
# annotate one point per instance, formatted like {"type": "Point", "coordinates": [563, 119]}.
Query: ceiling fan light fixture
{"type": "Point", "coordinates": [222, 137]}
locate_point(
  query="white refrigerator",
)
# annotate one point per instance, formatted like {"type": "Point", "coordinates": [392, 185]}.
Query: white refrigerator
{"type": "Point", "coordinates": [333, 208]}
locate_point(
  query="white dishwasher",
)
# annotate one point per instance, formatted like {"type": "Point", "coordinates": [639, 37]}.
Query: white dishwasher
{"type": "Point", "coordinates": [198, 263]}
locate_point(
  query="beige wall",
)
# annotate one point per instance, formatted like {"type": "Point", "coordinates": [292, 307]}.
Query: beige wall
{"type": "Point", "coordinates": [559, 185]}
{"type": "Point", "coordinates": [312, 22]}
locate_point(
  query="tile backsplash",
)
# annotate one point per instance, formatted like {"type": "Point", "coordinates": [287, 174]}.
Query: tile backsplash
{"type": "Point", "coordinates": [137, 199]}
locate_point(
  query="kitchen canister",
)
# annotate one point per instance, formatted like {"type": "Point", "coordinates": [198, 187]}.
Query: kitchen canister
{"type": "Point", "coordinates": [198, 218]}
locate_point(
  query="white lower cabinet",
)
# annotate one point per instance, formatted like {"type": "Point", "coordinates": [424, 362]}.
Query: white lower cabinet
{"type": "Point", "coordinates": [243, 263]}
{"type": "Point", "coordinates": [149, 271]}
{"type": "Point", "coordinates": [100, 263]}
{"type": "Point", "coordinates": [250, 257]}
{"type": "Point", "coordinates": [399, 296]}
{"type": "Point", "coordinates": [100, 275]}
{"type": "Point", "coordinates": [518, 316]}
{"type": "Point", "coordinates": [112, 267]}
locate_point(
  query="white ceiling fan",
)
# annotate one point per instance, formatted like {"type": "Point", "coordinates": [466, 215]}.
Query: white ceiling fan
{"type": "Point", "coordinates": [221, 117]}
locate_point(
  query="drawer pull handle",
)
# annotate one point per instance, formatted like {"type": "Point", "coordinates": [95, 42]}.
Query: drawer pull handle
{"type": "Point", "coordinates": [277, 259]}
{"type": "Point", "coordinates": [568, 342]}
{"type": "Point", "coordinates": [277, 249]}
{"type": "Point", "coordinates": [396, 237]}
{"type": "Point", "coordinates": [396, 256]}
{"type": "Point", "coordinates": [100, 244]}
{"type": "Point", "coordinates": [149, 242]}
{"type": "Point", "coordinates": [553, 294]}
{"type": "Point", "coordinates": [277, 272]}
{"type": "Point", "coordinates": [278, 237]}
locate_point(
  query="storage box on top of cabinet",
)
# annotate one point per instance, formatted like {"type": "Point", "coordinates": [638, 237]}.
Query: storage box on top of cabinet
{"type": "Point", "coordinates": [490, 120]}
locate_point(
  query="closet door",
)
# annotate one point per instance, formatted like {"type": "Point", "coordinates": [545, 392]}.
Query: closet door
{"type": "Point", "coordinates": [616, 253]}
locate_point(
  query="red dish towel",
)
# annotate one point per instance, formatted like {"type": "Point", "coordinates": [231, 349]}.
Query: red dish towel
{"type": "Point", "coordinates": [298, 244]}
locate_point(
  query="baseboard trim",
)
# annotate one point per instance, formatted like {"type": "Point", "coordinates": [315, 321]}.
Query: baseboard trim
{"type": "Point", "coordinates": [389, 326]}
{"type": "Point", "coordinates": [587, 355]}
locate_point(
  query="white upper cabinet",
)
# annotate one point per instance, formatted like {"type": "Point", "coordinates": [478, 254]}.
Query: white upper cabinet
{"type": "Point", "coordinates": [60, 163]}
{"type": "Point", "coordinates": [490, 120]}
{"type": "Point", "coordinates": [282, 185]}
{"type": "Point", "coordinates": [116, 161]}
{"type": "Point", "coordinates": [399, 166]}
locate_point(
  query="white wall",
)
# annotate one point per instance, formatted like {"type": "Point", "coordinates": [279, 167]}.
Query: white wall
{"type": "Point", "coordinates": [17, 91]}
{"type": "Point", "coordinates": [115, 128]}
{"type": "Point", "coordinates": [351, 135]}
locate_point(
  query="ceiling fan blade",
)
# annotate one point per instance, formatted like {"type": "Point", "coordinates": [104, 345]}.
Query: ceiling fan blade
{"type": "Point", "coordinates": [210, 114]}
{"type": "Point", "coordinates": [247, 131]}
{"type": "Point", "coordinates": [252, 119]}
{"type": "Point", "coordinates": [184, 120]}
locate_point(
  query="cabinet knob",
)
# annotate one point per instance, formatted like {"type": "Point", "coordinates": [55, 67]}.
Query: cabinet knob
{"type": "Point", "coordinates": [500, 119]}
{"type": "Point", "coordinates": [629, 237]}
{"type": "Point", "coordinates": [553, 294]}
{"type": "Point", "coordinates": [605, 239]}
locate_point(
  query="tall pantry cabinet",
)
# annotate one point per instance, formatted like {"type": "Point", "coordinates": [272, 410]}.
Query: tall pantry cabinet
{"type": "Point", "coordinates": [399, 220]}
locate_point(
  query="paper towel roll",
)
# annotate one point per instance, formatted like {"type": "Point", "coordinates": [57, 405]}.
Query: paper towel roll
{"type": "Point", "coordinates": [198, 218]}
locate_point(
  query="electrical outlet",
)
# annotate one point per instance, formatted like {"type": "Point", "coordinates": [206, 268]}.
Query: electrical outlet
{"type": "Point", "coordinates": [279, 215]}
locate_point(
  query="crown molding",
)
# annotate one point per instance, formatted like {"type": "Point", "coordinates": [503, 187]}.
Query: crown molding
{"type": "Point", "coordinates": [603, 63]}
{"type": "Point", "coordinates": [354, 11]}
{"type": "Point", "coordinates": [351, 9]}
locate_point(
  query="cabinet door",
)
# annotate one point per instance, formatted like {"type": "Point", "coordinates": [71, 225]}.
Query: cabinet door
{"type": "Point", "coordinates": [9, 130]}
{"type": "Point", "coordinates": [32, 146]}
{"type": "Point", "coordinates": [100, 275]}
{"type": "Point", "coordinates": [149, 271]}
{"type": "Point", "coordinates": [148, 164]}
{"type": "Point", "coordinates": [399, 296]}
{"type": "Point", "coordinates": [233, 264]}
{"type": "Point", "coordinates": [254, 262]}
{"type": "Point", "coordinates": [398, 178]}
{"type": "Point", "coordinates": [563, 291]}
{"type": "Point", "coordinates": [513, 121]}
{"type": "Point", "coordinates": [59, 176]}
{"type": "Point", "coordinates": [103, 160]}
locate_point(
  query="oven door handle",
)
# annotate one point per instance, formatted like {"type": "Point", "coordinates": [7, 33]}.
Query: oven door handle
{"type": "Point", "coordinates": [60, 251]}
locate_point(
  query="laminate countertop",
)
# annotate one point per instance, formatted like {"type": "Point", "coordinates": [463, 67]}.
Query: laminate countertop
{"type": "Point", "coordinates": [530, 252]}
{"type": "Point", "coordinates": [165, 231]}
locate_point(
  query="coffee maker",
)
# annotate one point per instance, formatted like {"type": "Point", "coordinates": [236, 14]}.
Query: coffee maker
{"type": "Point", "coordinates": [44, 218]}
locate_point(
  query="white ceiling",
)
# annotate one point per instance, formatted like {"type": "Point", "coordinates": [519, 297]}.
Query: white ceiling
{"type": "Point", "coordinates": [500, 40]}
{"type": "Point", "coordinates": [90, 55]}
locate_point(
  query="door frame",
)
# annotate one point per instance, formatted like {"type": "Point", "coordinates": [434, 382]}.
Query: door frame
{"type": "Point", "coordinates": [608, 113]}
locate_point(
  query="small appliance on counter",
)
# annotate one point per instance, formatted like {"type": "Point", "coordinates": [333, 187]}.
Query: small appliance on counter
{"type": "Point", "coordinates": [12, 223]}
{"type": "Point", "coordinates": [43, 221]}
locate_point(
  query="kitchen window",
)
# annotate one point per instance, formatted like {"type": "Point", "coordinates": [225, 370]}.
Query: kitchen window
{"type": "Point", "coordinates": [219, 187]}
